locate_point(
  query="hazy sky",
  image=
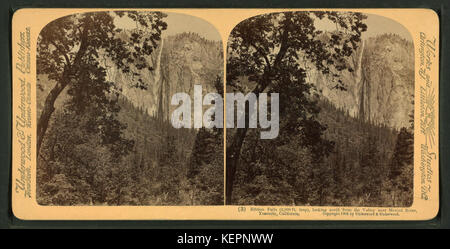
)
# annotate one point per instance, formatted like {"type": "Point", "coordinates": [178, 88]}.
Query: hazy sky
{"type": "Point", "coordinates": [376, 25]}
{"type": "Point", "coordinates": [179, 23]}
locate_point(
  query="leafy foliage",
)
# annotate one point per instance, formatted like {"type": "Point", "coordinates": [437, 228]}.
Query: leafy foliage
{"type": "Point", "coordinates": [70, 46]}
{"type": "Point", "coordinates": [369, 165]}
{"type": "Point", "coordinates": [267, 51]}
{"type": "Point", "coordinates": [76, 169]}
{"type": "Point", "coordinates": [69, 50]}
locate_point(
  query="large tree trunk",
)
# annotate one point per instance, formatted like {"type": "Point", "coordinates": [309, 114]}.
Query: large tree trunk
{"type": "Point", "coordinates": [234, 149]}
{"type": "Point", "coordinates": [47, 111]}
{"type": "Point", "coordinates": [67, 75]}
{"type": "Point", "coordinates": [233, 155]}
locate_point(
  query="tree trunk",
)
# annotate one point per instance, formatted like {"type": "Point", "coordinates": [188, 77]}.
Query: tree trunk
{"type": "Point", "coordinates": [49, 104]}
{"type": "Point", "coordinates": [47, 111]}
{"type": "Point", "coordinates": [234, 149]}
{"type": "Point", "coordinates": [233, 155]}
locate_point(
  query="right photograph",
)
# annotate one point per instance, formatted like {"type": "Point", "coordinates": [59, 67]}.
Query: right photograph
{"type": "Point", "coordinates": [337, 89]}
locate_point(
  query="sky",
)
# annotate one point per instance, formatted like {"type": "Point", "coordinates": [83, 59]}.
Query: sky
{"type": "Point", "coordinates": [376, 25]}
{"type": "Point", "coordinates": [179, 23]}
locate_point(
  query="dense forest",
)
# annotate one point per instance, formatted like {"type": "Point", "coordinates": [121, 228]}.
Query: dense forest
{"type": "Point", "coordinates": [103, 102]}
{"type": "Point", "coordinates": [164, 166]}
{"type": "Point", "coordinates": [368, 165]}
{"type": "Point", "coordinates": [104, 136]}
{"type": "Point", "coordinates": [345, 135]}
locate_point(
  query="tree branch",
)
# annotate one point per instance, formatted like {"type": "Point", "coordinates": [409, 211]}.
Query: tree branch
{"type": "Point", "coordinates": [283, 47]}
{"type": "Point", "coordinates": [62, 52]}
{"type": "Point", "coordinates": [259, 50]}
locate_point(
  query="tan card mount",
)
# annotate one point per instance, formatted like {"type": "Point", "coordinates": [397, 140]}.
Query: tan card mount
{"type": "Point", "coordinates": [225, 114]}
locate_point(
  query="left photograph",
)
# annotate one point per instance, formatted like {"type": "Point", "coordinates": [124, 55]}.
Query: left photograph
{"type": "Point", "coordinates": [105, 87]}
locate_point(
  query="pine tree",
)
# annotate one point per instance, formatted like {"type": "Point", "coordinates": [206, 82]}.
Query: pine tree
{"type": "Point", "coordinates": [402, 168]}
{"type": "Point", "coordinates": [403, 153]}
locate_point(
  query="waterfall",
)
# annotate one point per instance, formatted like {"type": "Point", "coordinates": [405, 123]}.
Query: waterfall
{"type": "Point", "coordinates": [160, 101]}
{"type": "Point", "coordinates": [360, 79]}
{"type": "Point", "coordinates": [359, 69]}
{"type": "Point", "coordinates": [158, 63]}
{"type": "Point", "coordinates": [157, 84]}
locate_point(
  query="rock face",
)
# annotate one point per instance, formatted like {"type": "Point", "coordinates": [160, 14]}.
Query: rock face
{"type": "Point", "coordinates": [379, 90]}
{"type": "Point", "coordinates": [179, 62]}
{"type": "Point", "coordinates": [381, 87]}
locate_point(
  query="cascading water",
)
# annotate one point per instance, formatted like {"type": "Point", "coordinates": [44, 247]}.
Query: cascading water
{"type": "Point", "coordinates": [160, 95]}
{"type": "Point", "coordinates": [363, 90]}
{"type": "Point", "coordinates": [359, 68]}
{"type": "Point", "coordinates": [155, 89]}
{"type": "Point", "coordinates": [158, 63]}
